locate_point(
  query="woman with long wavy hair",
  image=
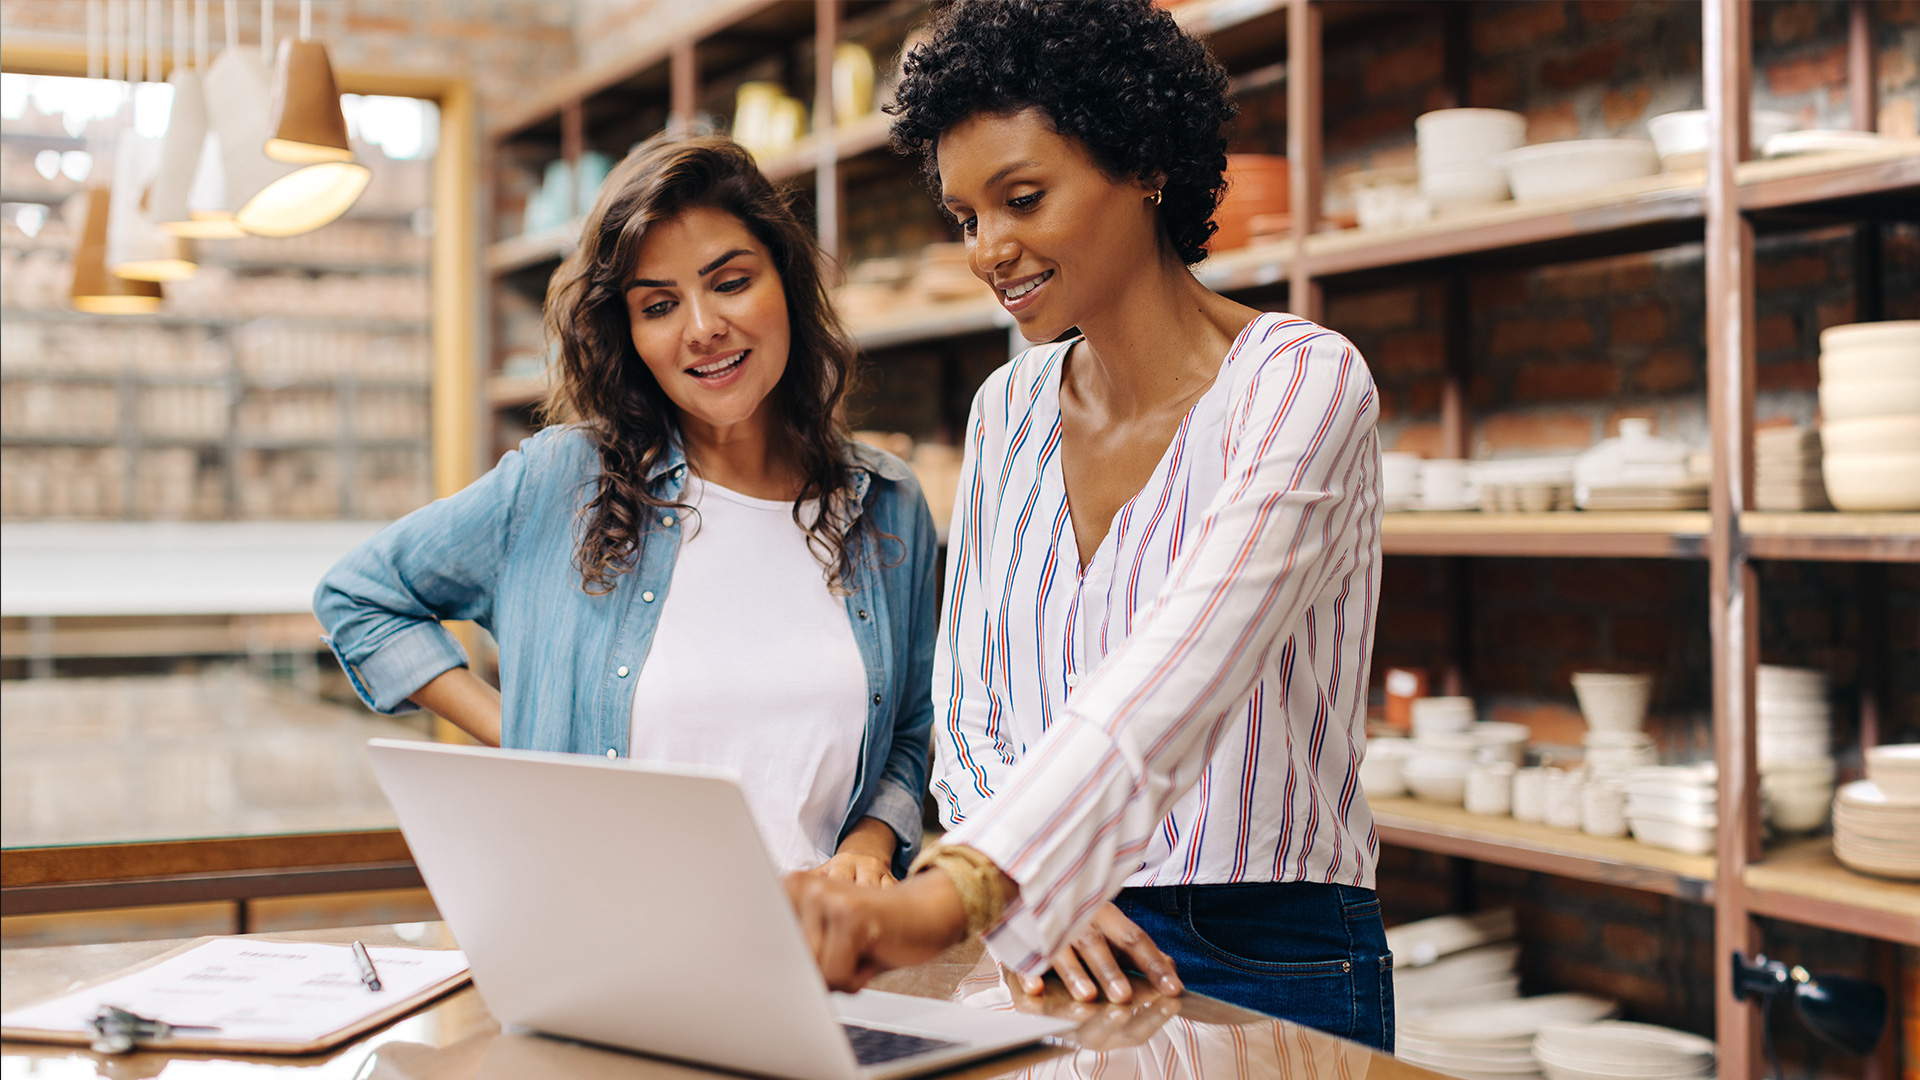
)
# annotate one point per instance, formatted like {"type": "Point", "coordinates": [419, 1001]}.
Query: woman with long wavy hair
{"type": "Point", "coordinates": [696, 563]}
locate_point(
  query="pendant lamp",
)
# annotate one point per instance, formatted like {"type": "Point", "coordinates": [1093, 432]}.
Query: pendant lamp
{"type": "Point", "coordinates": [307, 123]}
{"type": "Point", "coordinates": [270, 198]}
{"type": "Point", "coordinates": [94, 289]}
{"type": "Point", "coordinates": [136, 247]}
{"type": "Point", "coordinates": [188, 164]}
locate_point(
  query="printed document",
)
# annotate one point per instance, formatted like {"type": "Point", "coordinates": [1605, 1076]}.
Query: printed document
{"type": "Point", "coordinates": [254, 991]}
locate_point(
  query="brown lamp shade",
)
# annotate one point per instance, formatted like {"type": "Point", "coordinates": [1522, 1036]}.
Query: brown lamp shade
{"type": "Point", "coordinates": [306, 121]}
{"type": "Point", "coordinates": [94, 289]}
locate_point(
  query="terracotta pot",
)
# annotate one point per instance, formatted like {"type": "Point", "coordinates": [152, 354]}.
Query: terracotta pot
{"type": "Point", "coordinates": [1257, 185]}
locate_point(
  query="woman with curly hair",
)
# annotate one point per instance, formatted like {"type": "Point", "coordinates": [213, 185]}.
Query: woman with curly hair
{"type": "Point", "coordinates": [1150, 689]}
{"type": "Point", "coordinates": [698, 565]}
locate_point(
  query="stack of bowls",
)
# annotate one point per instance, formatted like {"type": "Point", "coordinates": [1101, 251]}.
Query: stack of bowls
{"type": "Point", "coordinates": [1619, 1050]}
{"type": "Point", "coordinates": [1457, 148]}
{"type": "Point", "coordinates": [1491, 1041]}
{"type": "Point", "coordinates": [1870, 415]}
{"type": "Point", "coordinates": [1675, 807]}
{"type": "Point", "coordinates": [1615, 708]}
{"type": "Point", "coordinates": [1875, 820]}
{"type": "Point", "coordinates": [1795, 746]}
{"type": "Point", "coordinates": [1444, 748]}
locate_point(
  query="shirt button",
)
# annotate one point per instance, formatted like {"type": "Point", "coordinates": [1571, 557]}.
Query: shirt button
{"type": "Point", "coordinates": [621, 671]}
{"type": "Point", "coordinates": [876, 699]}
{"type": "Point", "coordinates": [863, 613]}
{"type": "Point", "coordinates": [679, 472]}
{"type": "Point", "coordinates": [667, 520]}
{"type": "Point", "coordinates": [611, 752]}
{"type": "Point", "coordinates": [1072, 680]}
{"type": "Point", "coordinates": [647, 596]}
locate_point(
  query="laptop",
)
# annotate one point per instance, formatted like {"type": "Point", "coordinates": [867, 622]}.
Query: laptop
{"type": "Point", "coordinates": [634, 905]}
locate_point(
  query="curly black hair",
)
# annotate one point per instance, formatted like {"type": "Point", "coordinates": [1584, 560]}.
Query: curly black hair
{"type": "Point", "coordinates": [1119, 75]}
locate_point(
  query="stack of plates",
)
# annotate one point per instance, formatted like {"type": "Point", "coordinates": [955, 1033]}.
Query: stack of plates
{"type": "Point", "coordinates": [1876, 832]}
{"type": "Point", "coordinates": [1618, 1050]}
{"type": "Point", "coordinates": [1491, 1042]}
{"type": "Point", "coordinates": [1619, 751]}
{"type": "Point", "coordinates": [1795, 746]}
{"type": "Point", "coordinates": [1786, 470]}
{"type": "Point", "coordinates": [1423, 943]}
{"type": "Point", "coordinates": [1870, 414]}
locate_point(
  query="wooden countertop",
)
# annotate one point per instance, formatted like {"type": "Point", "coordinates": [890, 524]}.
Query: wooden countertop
{"type": "Point", "coordinates": [455, 1038]}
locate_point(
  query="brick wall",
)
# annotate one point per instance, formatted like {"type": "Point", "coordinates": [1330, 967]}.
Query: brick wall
{"type": "Point", "coordinates": [510, 49]}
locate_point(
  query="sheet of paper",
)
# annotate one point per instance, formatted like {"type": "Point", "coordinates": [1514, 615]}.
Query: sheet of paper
{"type": "Point", "coordinates": [253, 991]}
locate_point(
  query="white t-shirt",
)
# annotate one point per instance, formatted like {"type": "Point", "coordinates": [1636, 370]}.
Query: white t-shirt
{"type": "Point", "coordinates": [754, 668]}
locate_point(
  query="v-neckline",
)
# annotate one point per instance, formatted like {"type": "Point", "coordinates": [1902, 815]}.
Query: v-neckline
{"type": "Point", "coordinates": [1058, 467]}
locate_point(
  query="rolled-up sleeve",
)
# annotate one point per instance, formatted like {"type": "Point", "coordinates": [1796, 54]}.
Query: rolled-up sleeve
{"type": "Point", "coordinates": [1073, 819]}
{"type": "Point", "coordinates": [382, 604]}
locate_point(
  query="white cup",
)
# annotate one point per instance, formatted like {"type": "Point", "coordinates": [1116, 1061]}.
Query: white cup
{"type": "Point", "coordinates": [1399, 478]}
{"type": "Point", "coordinates": [1490, 788]}
{"type": "Point", "coordinates": [1444, 482]}
{"type": "Point", "coordinates": [1563, 799]}
{"type": "Point", "coordinates": [1530, 794]}
{"type": "Point", "coordinates": [1603, 808]}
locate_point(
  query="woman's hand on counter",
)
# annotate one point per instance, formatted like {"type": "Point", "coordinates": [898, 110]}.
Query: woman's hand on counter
{"type": "Point", "coordinates": [858, 931]}
{"type": "Point", "coordinates": [1087, 966]}
{"type": "Point", "coordinates": [865, 857]}
{"type": "Point", "coordinates": [464, 700]}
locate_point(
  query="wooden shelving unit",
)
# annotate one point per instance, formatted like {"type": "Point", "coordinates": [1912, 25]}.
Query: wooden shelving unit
{"type": "Point", "coordinates": [1264, 42]}
{"type": "Point", "coordinates": [1449, 830]}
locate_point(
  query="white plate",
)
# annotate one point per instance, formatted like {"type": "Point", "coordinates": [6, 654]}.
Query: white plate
{"type": "Point", "coordinates": [1417, 944]}
{"type": "Point", "coordinates": [1866, 793]}
{"type": "Point", "coordinates": [1523, 1016]}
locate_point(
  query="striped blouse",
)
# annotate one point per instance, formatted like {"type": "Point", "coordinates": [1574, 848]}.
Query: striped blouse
{"type": "Point", "coordinates": [1190, 706]}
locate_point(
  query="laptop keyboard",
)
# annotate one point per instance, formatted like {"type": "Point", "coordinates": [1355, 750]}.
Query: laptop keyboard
{"type": "Point", "coordinates": [872, 1046]}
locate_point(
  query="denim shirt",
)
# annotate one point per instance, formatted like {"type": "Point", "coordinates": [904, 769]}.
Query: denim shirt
{"type": "Point", "coordinates": [501, 553]}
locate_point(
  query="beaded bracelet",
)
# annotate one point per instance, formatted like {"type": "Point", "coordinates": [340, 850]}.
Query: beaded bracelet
{"type": "Point", "coordinates": [974, 877]}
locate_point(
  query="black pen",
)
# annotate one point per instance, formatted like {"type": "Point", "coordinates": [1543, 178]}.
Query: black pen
{"type": "Point", "coordinates": [367, 975]}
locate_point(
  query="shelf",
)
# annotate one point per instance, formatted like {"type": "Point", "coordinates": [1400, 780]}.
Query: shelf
{"type": "Point", "coordinates": [1651, 211]}
{"type": "Point", "coordinates": [324, 322]}
{"type": "Point", "coordinates": [1558, 534]}
{"type": "Point", "coordinates": [1835, 537]}
{"type": "Point", "coordinates": [861, 135]}
{"type": "Point", "coordinates": [930, 322]}
{"type": "Point", "coordinates": [516, 391]}
{"type": "Point", "coordinates": [322, 266]}
{"type": "Point", "coordinates": [1803, 882]}
{"type": "Point", "coordinates": [533, 249]}
{"type": "Point", "coordinates": [1449, 830]}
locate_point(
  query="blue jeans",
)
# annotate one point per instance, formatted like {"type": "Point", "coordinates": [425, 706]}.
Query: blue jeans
{"type": "Point", "coordinates": [1314, 954]}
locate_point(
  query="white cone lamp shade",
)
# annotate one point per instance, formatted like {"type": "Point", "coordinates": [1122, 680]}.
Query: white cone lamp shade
{"type": "Point", "coordinates": [136, 247]}
{"type": "Point", "coordinates": [308, 126]}
{"type": "Point", "coordinates": [94, 290]}
{"type": "Point", "coordinates": [209, 215]}
{"type": "Point", "coordinates": [183, 152]}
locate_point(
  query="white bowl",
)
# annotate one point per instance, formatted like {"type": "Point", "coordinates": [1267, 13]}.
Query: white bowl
{"type": "Point", "coordinates": [1457, 190]}
{"type": "Point", "coordinates": [1452, 745]}
{"type": "Point", "coordinates": [1874, 435]}
{"type": "Point", "coordinates": [1436, 780]}
{"type": "Point", "coordinates": [1895, 770]}
{"type": "Point", "coordinates": [1871, 362]}
{"type": "Point", "coordinates": [1577, 166]}
{"type": "Point", "coordinates": [1501, 742]}
{"type": "Point", "coordinates": [1873, 482]}
{"type": "Point", "coordinates": [1435, 714]}
{"type": "Point", "coordinates": [1902, 333]}
{"type": "Point", "coordinates": [1778, 681]}
{"type": "Point", "coordinates": [1672, 835]}
{"type": "Point", "coordinates": [1380, 768]}
{"type": "Point", "coordinates": [1438, 129]}
{"type": "Point", "coordinates": [1680, 138]}
{"type": "Point", "coordinates": [1861, 399]}
{"type": "Point", "coordinates": [1610, 702]}
{"type": "Point", "coordinates": [1797, 809]}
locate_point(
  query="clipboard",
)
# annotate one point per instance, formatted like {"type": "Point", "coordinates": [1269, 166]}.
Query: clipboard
{"type": "Point", "coordinates": [386, 1011]}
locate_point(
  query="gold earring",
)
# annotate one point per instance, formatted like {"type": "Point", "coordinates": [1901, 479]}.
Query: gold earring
{"type": "Point", "coordinates": [1155, 197]}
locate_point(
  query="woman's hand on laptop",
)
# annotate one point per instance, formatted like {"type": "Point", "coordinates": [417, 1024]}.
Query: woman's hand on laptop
{"type": "Point", "coordinates": [865, 857]}
{"type": "Point", "coordinates": [858, 931]}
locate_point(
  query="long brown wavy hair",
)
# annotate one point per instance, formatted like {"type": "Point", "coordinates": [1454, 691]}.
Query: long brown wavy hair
{"type": "Point", "coordinates": [602, 384]}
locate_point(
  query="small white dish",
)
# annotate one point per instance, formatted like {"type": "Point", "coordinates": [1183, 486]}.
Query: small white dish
{"type": "Point", "coordinates": [1821, 141]}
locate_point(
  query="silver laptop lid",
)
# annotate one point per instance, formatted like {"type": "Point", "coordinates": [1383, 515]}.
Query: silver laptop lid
{"type": "Point", "coordinates": [624, 904]}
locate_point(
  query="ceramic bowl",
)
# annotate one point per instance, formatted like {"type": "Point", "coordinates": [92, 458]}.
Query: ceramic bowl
{"type": "Point", "coordinates": [1613, 702]}
{"type": "Point", "coordinates": [1500, 742]}
{"type": "Point", "coordinates": [1450, 130]}
{"type": "Point", "coordinates": [1873, 482]}
{"type": "Point", "coordinates": [1874, 435]}
{"type": "Point", "coordinates": [1871, 362]}
{"type": "Point", "coordinates": [1863, 399]}
{"type": "Point", "coordinates": [1680, 138]}
{"type": "Point", "coordinates": [1797, 809]}
{"type": "Point", "coordinates": [1577, 166]}
{"type": "Point", "coordinates": [1895, 770]}
{"type": "Point", "coordinates": [1380, 768]}
{"type": "Point", "coordinates": [1464, 188]}
{"type": "Point", "coordinates": [1435, 714]}
{"type": "Point", "coordinates": [1436, 780]}
{"type": "Point", "coordinates": [1672, 835]}
{"type": "Point", "coordinates": [1899, 333]}
{"type": "Point", "coordinates": [1452, 745]}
